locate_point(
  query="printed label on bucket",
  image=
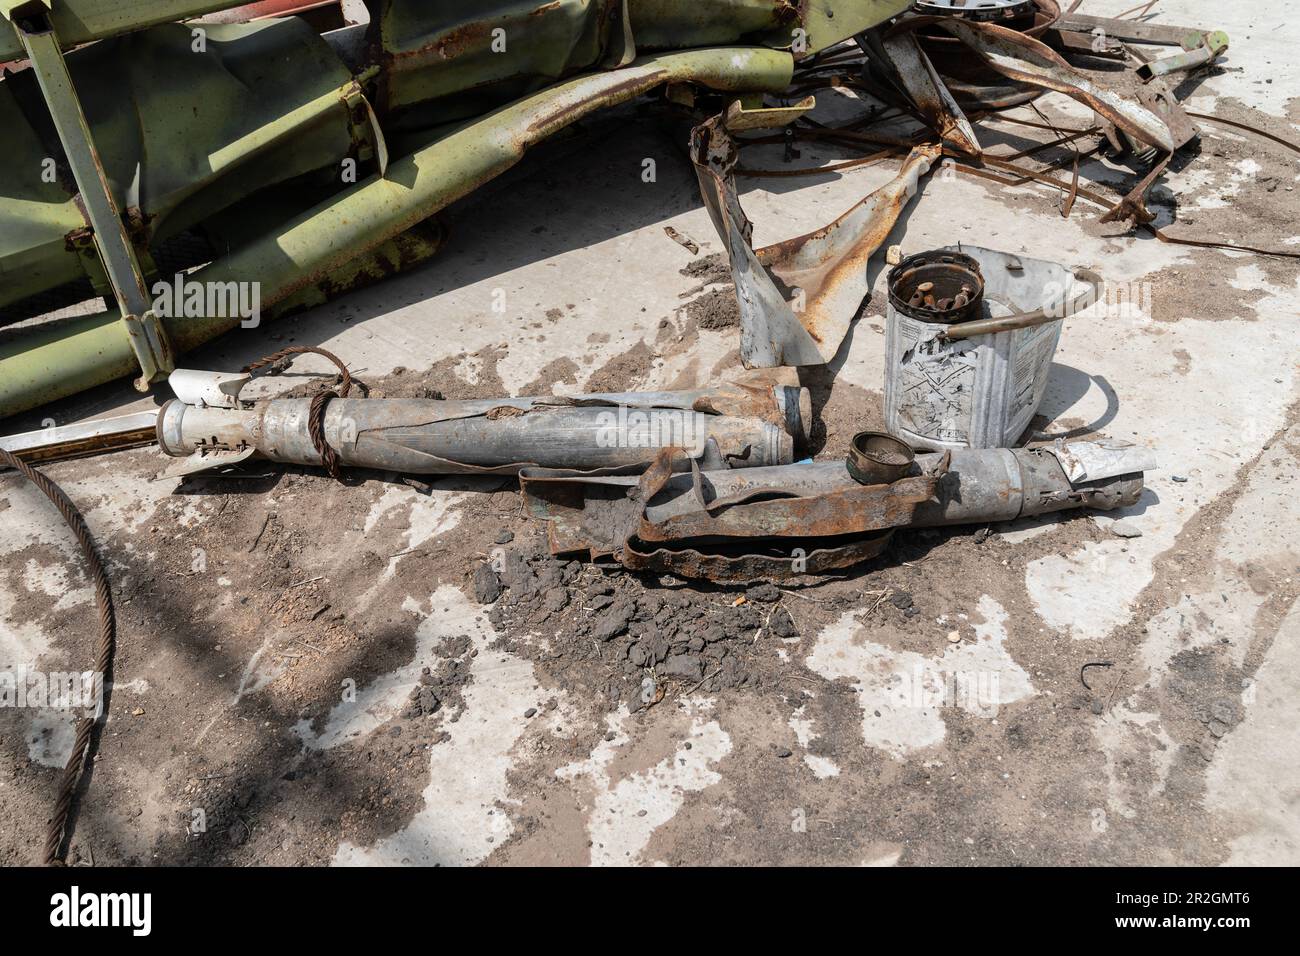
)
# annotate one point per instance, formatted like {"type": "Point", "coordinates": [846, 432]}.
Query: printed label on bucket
{"type": "Point", "coordinates": [937, 384]}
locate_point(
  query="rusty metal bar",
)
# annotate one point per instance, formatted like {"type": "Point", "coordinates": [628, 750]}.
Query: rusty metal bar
{"type": "Point", "coordinates": [1131, 31]}
{"type": "Point", "coordinates": [61, 442]}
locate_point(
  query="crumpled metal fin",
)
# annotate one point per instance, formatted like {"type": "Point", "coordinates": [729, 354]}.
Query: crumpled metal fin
{"type": "Point", "coordinates": [202, 461]}
{"type": "Point", "coordinates": [621, 49]}
{"type": "Point", "coordinates": [798, 297]}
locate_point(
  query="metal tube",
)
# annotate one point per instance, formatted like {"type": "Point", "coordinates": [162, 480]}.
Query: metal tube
{"type": "Point", "coordinates": [390, 436]}
{"type": "Point", "coordinates": [422, 436]}
{"type": "Point", "coordinates": [1040, 316]}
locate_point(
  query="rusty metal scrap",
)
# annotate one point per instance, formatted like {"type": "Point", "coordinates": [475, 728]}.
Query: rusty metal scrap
{"type": "Point", "coordinates": [1026, 60]}
{"type": "Point", "coordinates": [762, 532]}
{"type": "Point", "coordinates": [1131, 31]}
{"type": "Point", "coordinates": [813, 517]}
{"type": "Point", "coordinates": [810, 556]}
{"type": "Point", "coordinates": [798, 297]}
{"type": "Point", "coordinates": [919, 79]}
{"type": "Point", "coordinates": [765, 513]}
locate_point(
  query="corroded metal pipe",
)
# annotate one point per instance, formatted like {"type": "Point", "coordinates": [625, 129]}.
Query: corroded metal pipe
{"type": "Point", "coordinates": [490, 436]}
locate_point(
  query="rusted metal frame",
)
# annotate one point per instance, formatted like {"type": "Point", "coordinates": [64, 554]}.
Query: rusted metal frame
{"type": "Point", "coordinates": [148, 339]}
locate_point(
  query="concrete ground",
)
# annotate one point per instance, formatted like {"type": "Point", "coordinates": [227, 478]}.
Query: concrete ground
{"type": "Point", "coordinates": [274, 626]}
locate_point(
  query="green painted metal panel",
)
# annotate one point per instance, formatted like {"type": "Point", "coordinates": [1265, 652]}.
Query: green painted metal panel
{"type": "Point", "coordinates": [55, 360]}
{"type": "Point", "coordinates": [80, 21]}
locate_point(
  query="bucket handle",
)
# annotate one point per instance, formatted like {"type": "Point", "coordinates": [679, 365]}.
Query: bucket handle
{"type": "Point", "coordinates": [1027, 320]}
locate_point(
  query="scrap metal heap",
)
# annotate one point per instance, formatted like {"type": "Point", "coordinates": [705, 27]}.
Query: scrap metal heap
{"type": "Point", "coordinates": [305, 157]}
{"type": "Point", "coordinates": [144, 143]}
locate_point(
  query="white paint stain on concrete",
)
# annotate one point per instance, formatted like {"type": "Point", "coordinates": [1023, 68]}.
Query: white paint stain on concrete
{"type": "Point", "coordinates": [1254, 779]}
{"type": "Point", "coordinates": [464, 816]}
{"type": "Point", "coordinates": [428, 517]}
{"type": "Point", "coordinates": [625, 815]}
{"type": "Point", "coordinates": [362, 709]}
{"type": "Point", "coordinates": [1091, 590]}
{"type": "Point", "coordinates": [1259, 538]}
{"type": "Point", "coordinates": [903, 694]}
{"type": "Point", "coordinates": [802, 725]}
{"type": "Point", "coordinates": [618, 830]}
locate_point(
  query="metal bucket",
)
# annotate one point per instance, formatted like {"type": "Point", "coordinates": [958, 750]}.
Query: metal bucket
{"type": "Point", "coordinates": [969, 371]}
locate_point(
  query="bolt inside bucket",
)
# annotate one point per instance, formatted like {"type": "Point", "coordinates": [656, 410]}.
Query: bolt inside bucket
{"type": "Point", "coordinates": [942, 287]}
{"type": "Point", "coordinates": [878, 458]}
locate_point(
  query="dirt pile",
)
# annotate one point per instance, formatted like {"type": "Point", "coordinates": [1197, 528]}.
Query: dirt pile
{"type": "Point", "coordinates": [632, 639]}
